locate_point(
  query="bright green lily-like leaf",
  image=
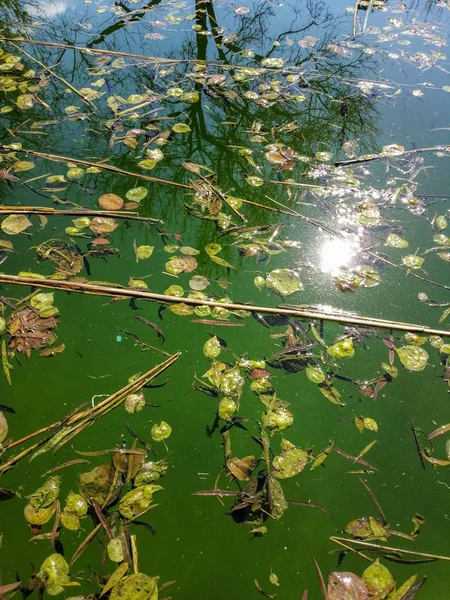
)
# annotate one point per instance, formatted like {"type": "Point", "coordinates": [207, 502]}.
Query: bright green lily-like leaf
{"type": "Point", "coordinates": [42, 301]}
{"type": "Point", "coordinates": [212, 348]}
{"type": "Point", "coordinates": [46, 494]}
{"type": "Point", "coordinates": [143, 252]}
{"type": "Point", "coordinates": [370, 424]}
{"type": "Point", "coordinates": [54, 574]}
{"type": "Point", "coordinates": [70, 521]}
{"type": "Point", "coordinates": [290, 462]}
{"type": "Point", "coordinates": [161, 432]}
{"type": "Point", "coordinates": [174, 290]}
{"type": "Point", "coordinates": [39, 516]}
{"type": "Point", "coordinates": [181, 128]}
{"type": "Point", "coordinates": [227, 408]}
{"type": "Point", "coordinates": [136, 194]}
{"type": "Point", "coordinates": [283, 282]}
{"type": "Point", "coordinates": [393, 371]}
{"type": "Point", "coordinates": [136, 587]}
{"type": "Point", "coordinates": [260, 282]}
{"type": "Point", "coordinates": [147, 164]}
{"type": "Point", "coordinates": [23, 165]}
{"type": "Point", "coordinates": [395, 241]}
{"type": "Point", "coordinates": [75, 173]}
{"type": "Point", "coordinates": [76, 504]}
{"type": "Point", "coordinates": [412, 261]}
{"type": "Point", "coordinates": [81, 222]}
{"type": "Point", "coordinates": [378, 579]}
{"type": "Point", "coordinates": [315, 374]}
{"type": "Point", "coordinates": [277, 419]}
{"type": "Point", "coordinates": [414, 358]}
{"type": "Point", "coordinates": [212, 249]}
{"type": "Point", "coordinates": [137, 501]}
{"type": "Point", "coordinates": [115, 550]}
{"type": "Point", "coordinates": [342, 349]}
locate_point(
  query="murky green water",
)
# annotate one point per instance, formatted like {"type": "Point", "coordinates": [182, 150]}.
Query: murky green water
{"type": "Point", "coordinates": [269, 88]}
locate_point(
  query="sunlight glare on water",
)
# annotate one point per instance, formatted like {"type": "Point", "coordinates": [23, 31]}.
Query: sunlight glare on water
{"type": "Point", "coordinates": [336, 253]}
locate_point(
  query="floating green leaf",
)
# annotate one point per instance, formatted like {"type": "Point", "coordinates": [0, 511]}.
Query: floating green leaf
{"type": "Point", "coordinates": [212, 348]}
{"type": "Point", "coordinates": [181, 128]}
{"type": "Point", "coordinates": [412, 261]}
{"type": "Point", "coordinates": [136, 194]}
{"type": "Point", "coordinates": [161, 432]}
{"type": "Point", "coordinates": [395, 241]}
{"type": "Point", "coordinates": [136, 587]}
{"type": "Point", "coordinates": [378, 579]}
{"type": "Point", "coordinates": [54, 574]}
{"type": "Point", "coordinates": [143, 252]}
{"type": "Point", "coordinates": [15, 224]}
{"type": "Point", "coordinates": [414, 358]}
{"type": "Point", "coordinates": [342, 349]}
{"type": "Point", "coordinates": [283, 282]}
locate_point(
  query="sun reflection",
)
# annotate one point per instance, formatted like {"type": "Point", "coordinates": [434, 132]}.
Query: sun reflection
{"type": "Point", "coordinates": [337, 253]}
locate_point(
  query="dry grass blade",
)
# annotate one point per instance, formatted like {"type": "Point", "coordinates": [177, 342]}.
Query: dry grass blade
{"type": "Point", "coordinates": [55, 75]}
{"type": "Point", "coordinates": [389, 548]}
{"type": "Point", "coordinates": [372, 157]}
{"type": "Point", "coordinates": [84, 544]}
{"type": "Point", "coordinates": [62, 431]}
{"type": "Point", "coordinates": [10, 587]}
{"type": "Point", "coordinates": [323, 587]}
{"type": "Point", "coordinates": [378, 505]}
{"type": "Point", "coordinates": [74, 212]}
{"type": "Point", "coordinates": [102, 166]}
{"type": "Point", "coordinates": [439, 431]}
{"type": "Point", "coordinates": [107, 290]}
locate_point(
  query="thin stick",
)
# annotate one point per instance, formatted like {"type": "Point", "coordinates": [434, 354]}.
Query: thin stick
{"type": "Point", "coordinates": [75, 422]}
{"type": "Point", "coordinates": [353, 550]}
{"type": "Point", "coordinates": [100, 290]}
{"type": "Point", "coordinates": [80, 212]}
{"type": "Point", "coordinates": [321, 580]}
{"type": "Point", "coordinates": [355, 16]}
{"type": "Point", "coordinates": [380, 510]}
{"type": "Point", "coordinates": [134, 554]}
{"type": "Point", "coordinates": [418, 448]}
{"type": "Point", "coordinates": [367, 15]}
{"type": "Point", "coordinates": [64, 81]}
{"type": "Point", "coordinates": [370, 157]}
{"type": "Point", "coordinates": [102, 166]}
{"type": "Point", "coordinates": [84, 544]}
{"type": "Point", "coordinates": [390, 549]}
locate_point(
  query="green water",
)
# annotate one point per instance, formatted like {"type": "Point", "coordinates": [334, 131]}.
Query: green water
{"type": "Point", "coordinates": [197, 544]}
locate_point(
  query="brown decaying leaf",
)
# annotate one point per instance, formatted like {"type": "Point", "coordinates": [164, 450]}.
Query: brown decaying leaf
{"type": "Point", "coordinates": [346, 586]}
{"type": "Point", "coordinates": [111, 202]}
{"type": "Point", "coordinates": [241, 468]}
{"type": "Point", "coordinates": [29, 331]}
{"type": "Point", "coordinates": [53, 351]}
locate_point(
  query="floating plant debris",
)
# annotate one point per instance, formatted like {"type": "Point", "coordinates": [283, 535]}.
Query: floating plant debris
{"type": "Point", "coordinates": [259, 194]}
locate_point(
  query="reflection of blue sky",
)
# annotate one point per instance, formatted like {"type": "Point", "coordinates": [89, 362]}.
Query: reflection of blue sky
{"type": "Point", "coordinates": [49, 10]}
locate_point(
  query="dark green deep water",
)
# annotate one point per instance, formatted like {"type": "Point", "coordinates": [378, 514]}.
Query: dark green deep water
{"type": "Point", "coordinates": [196, 543]}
